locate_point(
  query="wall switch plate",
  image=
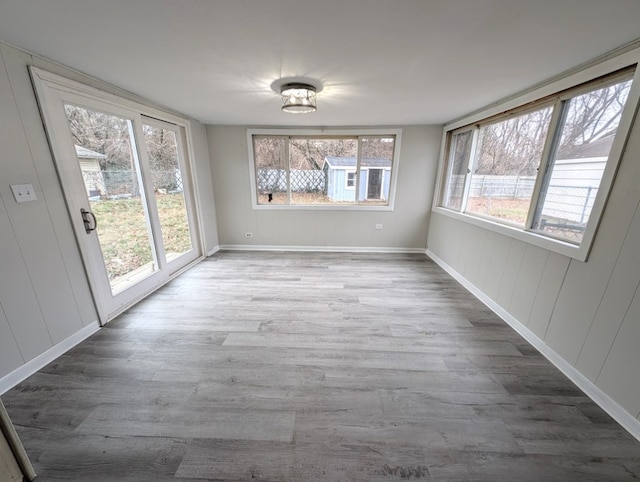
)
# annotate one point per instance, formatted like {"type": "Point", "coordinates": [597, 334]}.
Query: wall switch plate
{"type": "Point", "coordinates": [23, 193]}
{"type": "Point", "coordinates": [378, 226]}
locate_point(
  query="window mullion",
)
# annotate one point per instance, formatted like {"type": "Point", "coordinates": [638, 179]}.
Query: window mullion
{"type": "Point", "coordinates": [358, 154]}
{"type": "Point", "coordinates": [542, 178]}
{"type": "Point", "coordinates": [469, 168]}
{"type": "Point", "coordinates": [287, 151]}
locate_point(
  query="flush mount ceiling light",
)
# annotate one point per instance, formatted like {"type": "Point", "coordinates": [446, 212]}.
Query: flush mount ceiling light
{"type": "Point", "coordinates": [298, 98]}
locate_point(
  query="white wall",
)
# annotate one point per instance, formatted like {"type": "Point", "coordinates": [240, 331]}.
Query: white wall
{"type": "Point", "coordinates": [204, 187]}
{"type": "Point", "coordinates": [44, 294]}
{"type": "Point", "coordinates": [587, 313]}
{"type": "Point", "coordinates": [404, 228]}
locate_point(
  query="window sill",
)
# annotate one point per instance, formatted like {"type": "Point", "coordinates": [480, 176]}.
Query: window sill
{"type": "Point", "coordinates": [322, 207]}
{"type": "Point", "coordinates": [579, 253]}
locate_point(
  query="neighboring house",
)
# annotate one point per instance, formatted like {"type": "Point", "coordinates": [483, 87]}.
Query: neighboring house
{"type": "Point", "coordinates": [91, 172]}
{"type": "Point", "coordinates": [575, 180]}
{"type": "Point", "coordinates": [375, 178]}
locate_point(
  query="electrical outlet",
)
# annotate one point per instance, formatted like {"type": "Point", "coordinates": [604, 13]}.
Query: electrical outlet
{"type": "Point", "coordinates": [378, 226]}
{"type": "Point", "coordinates": [23, 193]}
{"type": "Point", "coordinates": [248, 235]}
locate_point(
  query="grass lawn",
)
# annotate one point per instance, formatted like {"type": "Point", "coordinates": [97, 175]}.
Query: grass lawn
{"type": "Point", "coordinates": [514, 210]}
{"type": "Point", "coordinates": [123, 233]}
{"type": "Point", "coordinates": [306, 198]}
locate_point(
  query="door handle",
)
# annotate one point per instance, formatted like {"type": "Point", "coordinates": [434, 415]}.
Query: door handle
{"type": "Point", "coordinates": [89, 220]}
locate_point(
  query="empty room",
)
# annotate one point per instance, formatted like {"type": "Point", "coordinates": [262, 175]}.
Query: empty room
{"type": "Point", "coordinates": [368, 240]}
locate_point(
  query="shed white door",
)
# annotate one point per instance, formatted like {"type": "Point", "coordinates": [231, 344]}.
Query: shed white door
{"type": "Point", "coordinates": [374, 184]}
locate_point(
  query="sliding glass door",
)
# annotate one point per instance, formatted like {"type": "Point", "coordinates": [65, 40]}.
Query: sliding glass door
{"type": "Point", "coordinates": [126, 179]}
{"type": "Point", "coordinates": [114, 190]}
{"type": "Point", "coordinates": [162, 142]}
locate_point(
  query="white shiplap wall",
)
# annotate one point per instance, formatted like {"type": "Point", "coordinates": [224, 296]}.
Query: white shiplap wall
{"type": "Point", "coordinates": [43, 290]}
{"type": "Point", "coordinates": [404, 228]}
{"type": "Point", "coordinates": [587, 313]}
{"type": "Point", "coordinates": [45, 300]}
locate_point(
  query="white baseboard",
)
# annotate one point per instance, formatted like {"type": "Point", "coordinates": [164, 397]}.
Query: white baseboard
{"type": "Point", "coordinates": [32, 366]}
{"type": "Point", "coordinates": [213, 250]}
{"type": "Point", "coordinates": [319, 249]}
{"type": "Point", "coordinates": [619, 414]}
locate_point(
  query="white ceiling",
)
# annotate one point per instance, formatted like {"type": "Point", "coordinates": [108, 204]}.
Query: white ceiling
{"type": "Point", "coordinates": [381, 62]}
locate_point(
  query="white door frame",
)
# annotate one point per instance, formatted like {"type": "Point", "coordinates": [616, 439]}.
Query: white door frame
{"type": "Point", "coordinates": [186, 173]}
{"type": "Point", "coordinates": [52, 92]}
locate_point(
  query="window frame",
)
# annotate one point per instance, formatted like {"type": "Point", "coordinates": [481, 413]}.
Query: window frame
{"type": "Point", "coordinates": [358, 134]}
{"type": "Point", "coordinates": [555, 91]}
{"type": "Point", "coordinates": [346, 180]}
{"type": "Point", "coordinates": [470, 166]}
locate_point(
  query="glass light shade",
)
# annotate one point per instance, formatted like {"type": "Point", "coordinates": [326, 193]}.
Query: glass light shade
{"type": "Point", "coordinates": [298, 98]}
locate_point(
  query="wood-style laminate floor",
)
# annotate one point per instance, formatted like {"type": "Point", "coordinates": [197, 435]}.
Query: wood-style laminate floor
{"type": "Point", "coordinates": [313, 367]}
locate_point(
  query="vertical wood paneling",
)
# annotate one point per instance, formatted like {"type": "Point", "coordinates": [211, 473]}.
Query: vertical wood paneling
{"type": "Point", "coordinates": [577, 303]}
{"type": "Point", "coordinates": [547, 293]}
{"type": "Point", "coordinates": [510, 274]}
{"type": "Point", "coordinates": [368, 235]}
{"type": "Point", "coordinates": [16, 62]}
{"type": "Point", "coordinates": [338, 232]}
{"type": "Point", "coordinates": [529, 276]}
{"type": "Point", "coordinates": [10, 357]}
{"type": "Point", "coordinates": [433, 240]}
{"type": "Point", "coordinates": [586, 282]}
{"type": "Point", "coordinates": [485, 265]}
{"type": "Point", "coordinates": [46, 270]}
{"type": "Point", "coordinates": [404, 227]}
{"type": "Point", "coordinates": [232, 193]}
{"type": "Point", "coordinates": [238, 227]}
{"type": "Point", "coordinates": [498, 261]}
{"type": "Point", "coordinates": [474, 241]}
{"type": "Point", "coordinates": [587, 312]}
{"type": "Point", "coordinates": [614, 305]}
{"type": "Point", "coordinates": [17, 295]}
{"type": "Point", "coordinates": [464, 249]}
{"type": "Point", "coordinates": [322, 219]}
{"type": "Point", "coordinates": [272, 227]}
{"type": "Point", "coordinates": [301, 230]}
{"type": "Point", "coordinates": [44, 291]}
{"type": "Point", "coordinates": [204, 184]}
{"type": "Point", "coordinates": [450, 240]}
{"type": "Point", "coordinates": [439, 232]}
{"type": "Point", "coordinates": [416, 182]}
{"type": "Point", "coordinates": [619, 375]}
{"type": "Point", "coordinates": [43, 287]}
{"type": "Point", "coordinates": [33, 226]}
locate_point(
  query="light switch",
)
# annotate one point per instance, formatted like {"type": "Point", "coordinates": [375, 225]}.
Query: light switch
{"type": "Point", "coordinates": [23, 193]}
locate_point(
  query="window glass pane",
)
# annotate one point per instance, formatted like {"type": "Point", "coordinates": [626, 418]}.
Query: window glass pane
{"type": "Point", "coordinates": [271, 169]}
{"type": "Point", "coordinates": [376, 160]}
{"type": "Point", "coordinates": [111, 173]}
{"type": "Point", "coordinates": [168, 186]}
{"type": "Point", "coordinates": [318, 170]}
{"type": "Point", "coordinates": [351, 180]}
{"type": "Point", "coordinates": [588, 129]}
{"type": "Point", "coordinates": [505, 166]}
{"type": "Point", "coordinates": [322, 170]}
{"type": "Point", "coordinates": [457, 169]}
